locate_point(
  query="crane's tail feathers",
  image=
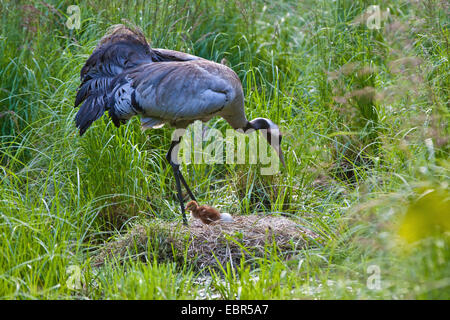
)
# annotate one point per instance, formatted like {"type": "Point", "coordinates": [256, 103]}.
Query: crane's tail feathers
{"type": "Point", "coordinates": [90, 87]}
{"type": "Point", "coordinates": [120, 32]}
{"type": "Point", "coordinates": [92, 109]}
{"type": "Point", "coordinates": [120, 49]}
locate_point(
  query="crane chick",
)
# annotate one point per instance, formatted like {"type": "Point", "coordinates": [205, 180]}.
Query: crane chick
{"type": "Point", "coordinates": [207, 213]}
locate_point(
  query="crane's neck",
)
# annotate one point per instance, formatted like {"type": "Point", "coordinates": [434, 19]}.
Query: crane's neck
{"type": "Point", "coordinates": [270, 131]}
{"type": "Point", "coordinates": [262, 124]}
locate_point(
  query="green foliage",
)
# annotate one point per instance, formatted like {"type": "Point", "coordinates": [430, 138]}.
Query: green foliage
{"type": "Point", "coordinates": [364, 114]}
{"type": "Point", "coordinates": [427, 216]}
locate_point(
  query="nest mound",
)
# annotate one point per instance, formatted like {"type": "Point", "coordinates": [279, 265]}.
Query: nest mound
{"type": "Point", "coordinates": [206, 245]}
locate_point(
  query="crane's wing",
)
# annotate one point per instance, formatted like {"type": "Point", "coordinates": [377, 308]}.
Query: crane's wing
{"type": "Point", "coordinates": [171, 55]}
{"type": "Point", "coordinates": [127, 77]}
{"type": "Point", "coordinates": [181, 91]}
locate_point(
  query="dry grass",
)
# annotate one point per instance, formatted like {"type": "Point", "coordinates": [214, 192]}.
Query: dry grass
{"type": "Point", "coordinates": [205, 245]}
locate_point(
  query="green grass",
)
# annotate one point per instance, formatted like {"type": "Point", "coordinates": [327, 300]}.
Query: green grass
{"type": "Point", "coordinates": [356, 106]}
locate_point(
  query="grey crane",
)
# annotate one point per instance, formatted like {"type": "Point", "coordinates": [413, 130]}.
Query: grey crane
{"type": "Point", "coordinates": [126, 77]}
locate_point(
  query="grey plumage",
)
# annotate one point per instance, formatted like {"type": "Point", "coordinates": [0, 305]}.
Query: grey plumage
{"type": "Point", "coordinates": [127, 77]}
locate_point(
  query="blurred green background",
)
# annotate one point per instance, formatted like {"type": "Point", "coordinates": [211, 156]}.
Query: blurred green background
{"type": "Point", "coordinates": [361, 94]}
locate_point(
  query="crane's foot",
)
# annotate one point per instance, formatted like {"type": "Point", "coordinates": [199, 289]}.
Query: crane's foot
{"type": "Point", "coordinates": [177, 174]}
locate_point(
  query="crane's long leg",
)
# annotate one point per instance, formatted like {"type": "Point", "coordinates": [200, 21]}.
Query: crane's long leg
{"type": "Point", "coordinates": [179, 177]}
{"type": "Point", "coordinates": [186, 186]}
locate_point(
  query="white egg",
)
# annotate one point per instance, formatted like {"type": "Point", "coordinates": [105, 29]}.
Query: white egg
{"type": "Point", "coordinates": [226, 217]}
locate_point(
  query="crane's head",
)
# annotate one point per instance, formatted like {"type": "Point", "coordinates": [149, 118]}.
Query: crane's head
{"type": "Point", "coordinates": [271, 132]}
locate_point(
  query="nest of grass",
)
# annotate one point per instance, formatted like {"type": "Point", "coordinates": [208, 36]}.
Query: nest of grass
{"type": "Point", "coordinates": [207, 245]}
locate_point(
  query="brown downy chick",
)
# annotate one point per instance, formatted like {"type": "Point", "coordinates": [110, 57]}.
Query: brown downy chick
{"type": "Point", "coordinates": [207, 213]}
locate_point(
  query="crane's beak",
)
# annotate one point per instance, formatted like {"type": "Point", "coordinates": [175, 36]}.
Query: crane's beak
{"type": "Point", "coordinates": [281, 156]}
{"type": "Point", "coordinates": [279, 151]}
{"type": "Point", "coordinates": [275, 142]}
